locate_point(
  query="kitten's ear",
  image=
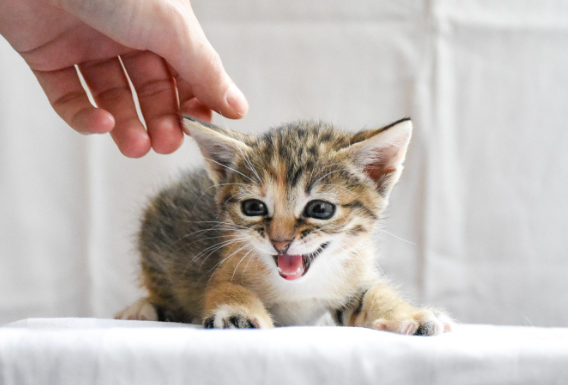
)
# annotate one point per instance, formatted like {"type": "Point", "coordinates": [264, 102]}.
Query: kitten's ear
{"type": "Point", "coordinates": [380, 153]}
{"type": "Point", "coordinates": [218, 148]}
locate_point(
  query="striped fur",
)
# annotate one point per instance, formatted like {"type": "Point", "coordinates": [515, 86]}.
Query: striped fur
{"type": "Point", "coordinates": [204, 260]}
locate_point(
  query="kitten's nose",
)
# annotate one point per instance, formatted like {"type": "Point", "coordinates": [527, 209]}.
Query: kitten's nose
{"type": "Point", "coordinates": [281, 246]}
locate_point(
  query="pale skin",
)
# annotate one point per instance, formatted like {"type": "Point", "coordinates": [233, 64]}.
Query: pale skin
{"type": "Point", "coordinates": [162, 47]}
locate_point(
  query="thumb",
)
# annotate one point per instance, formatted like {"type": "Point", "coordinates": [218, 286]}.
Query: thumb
{"type": "Point", "coordinates": [189, 52]}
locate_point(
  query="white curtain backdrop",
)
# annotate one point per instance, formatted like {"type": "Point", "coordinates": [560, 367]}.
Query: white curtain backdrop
{"type": "Point", "coordinates": [478, 223]}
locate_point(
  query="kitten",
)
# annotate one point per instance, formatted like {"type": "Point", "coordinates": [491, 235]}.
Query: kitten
{"type": "Point", "coordinates": [278, 231]}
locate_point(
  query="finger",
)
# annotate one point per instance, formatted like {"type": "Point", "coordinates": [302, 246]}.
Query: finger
{"type": "Point", "coordinates": [189, 104]}
{"type": "Point", "coordinates": [196, 109]}
{"type": "Point", "coordinates": [69, 100]}
{"type": "Point", "coordinates": [156, 94]}
{"type": "Point", "coordinates": [184, 90]}
{"type": "Point", "coordinates": [190, 53]}
{"type": "Point", "coordinates": [109, 86]}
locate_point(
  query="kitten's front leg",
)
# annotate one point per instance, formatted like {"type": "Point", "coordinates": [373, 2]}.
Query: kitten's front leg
{"type": "Point", "coordinates": [228, 305]}
{"type": "Point", "coordinates": [381, 307]}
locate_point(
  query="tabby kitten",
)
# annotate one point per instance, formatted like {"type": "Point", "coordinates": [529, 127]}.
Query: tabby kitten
{"type": "Point", "coordinates": [278, 231]}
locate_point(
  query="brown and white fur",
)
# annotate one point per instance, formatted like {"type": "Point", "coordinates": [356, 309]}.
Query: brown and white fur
{"type": "Point", "coordinates": [208, 258]}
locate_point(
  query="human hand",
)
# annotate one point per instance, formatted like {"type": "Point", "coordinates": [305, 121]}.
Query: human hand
{"type": "Point", "coordinates": [162, 48]}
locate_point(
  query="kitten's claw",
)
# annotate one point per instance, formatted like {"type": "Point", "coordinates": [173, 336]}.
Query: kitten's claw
{"type": "Point", "coordinates": [424, 322]}
{"type": "Point", "coordinates": [234, 322]}
{"type": "Point", "coordinates": [227, 318]}
{"type": "Point", "coordinates": [140, 310]}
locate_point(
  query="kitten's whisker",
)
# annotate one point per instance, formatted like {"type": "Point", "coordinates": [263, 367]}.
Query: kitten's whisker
{"type": "Point", "coordinates": [215, 246]}
{"type": "Point", "coordinates": [214, 186]}
{"type": "Point", "coordinates": [329, 173]}
{"type": "Point", "coordinates": [396, 236]}
{"type": "Point", "coordinates": [211, 229]}
{"type": "Point", "coordinates": [336, 185]}
{"type": "Point", "coordinates": [229, 168]}
{"type": "Point", "coordinates": [250, 166]}
{"type": "Point", "coordinates": [228, 224]}
{"type": "Point", "coordinates": [209, 238]}
{"type": "Point", "coordinates": [320, 170]}
{"type": "Point", "coordinates": [246, 267]}
{"type": "Point", "coordinates": [192, 260]}
{"type": "Point", "coordinates": [236, 267]}
{"type": "Point", "coordinates": [190, 234]}
{"type": "Point", "coordinates": [225, 259]}
{"type": "Point", "coordinates": [224, 243]}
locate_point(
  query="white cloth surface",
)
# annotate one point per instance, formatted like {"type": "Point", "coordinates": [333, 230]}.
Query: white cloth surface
{"type": "Point", "coordinates": [93, 352]}
{"type": "Point", "coordinates": [482, 201]}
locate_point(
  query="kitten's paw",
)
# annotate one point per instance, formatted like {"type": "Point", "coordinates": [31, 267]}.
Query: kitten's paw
{"type": "Point", "coordinates": [139, 310]}
{"type": "Point", "coordinates": [227, 317]}
{"type": "Point", "coordinates": [424, 322]}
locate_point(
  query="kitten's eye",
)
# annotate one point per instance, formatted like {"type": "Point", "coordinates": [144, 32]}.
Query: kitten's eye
{"type": "Point", "coordinates": [319, 210]}
{"type": "Point", "coordinates": [254, 208]}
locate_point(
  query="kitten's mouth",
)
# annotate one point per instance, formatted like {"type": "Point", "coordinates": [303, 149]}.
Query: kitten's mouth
{"type": "Point", "coordinates": [292, 267]}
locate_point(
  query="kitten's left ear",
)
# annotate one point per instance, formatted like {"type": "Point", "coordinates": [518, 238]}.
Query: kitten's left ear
{"type": "Point", "coordinates": [220, 147]}
{"type": "Point", "coordinates": [380, 153]}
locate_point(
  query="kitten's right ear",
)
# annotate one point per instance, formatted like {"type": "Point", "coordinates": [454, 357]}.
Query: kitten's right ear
{"type": "Point", "coordinates": [380, 153]}
{"type": "Point", "coordinates": [218, 149]}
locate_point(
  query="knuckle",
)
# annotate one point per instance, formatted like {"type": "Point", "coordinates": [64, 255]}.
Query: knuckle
{"type": "Point", "coordinates": [214, 61]}
{"type": "Point", "coordinates": [154, 87]}
{"type": "Point", "coordinates": [68, 98]}
{"type": "Point", "coordinates": [113, 93]}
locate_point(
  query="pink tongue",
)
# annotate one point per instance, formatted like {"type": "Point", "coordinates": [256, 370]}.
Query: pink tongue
{"type": "Point", "coordinates": [291, 266]}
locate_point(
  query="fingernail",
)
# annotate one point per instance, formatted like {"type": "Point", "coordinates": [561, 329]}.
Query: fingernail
{"type": "Point", "coordinates": [237, 100]}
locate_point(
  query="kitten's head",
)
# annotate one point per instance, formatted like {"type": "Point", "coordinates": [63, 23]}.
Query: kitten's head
{"type": "Point", "coordinates": [303, 194]}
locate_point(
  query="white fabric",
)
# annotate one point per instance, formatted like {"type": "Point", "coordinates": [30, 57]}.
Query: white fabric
{"type": "Point", "coordinates": [482, 199]}
{"type": "Point", "coordinates": [90, 351]}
